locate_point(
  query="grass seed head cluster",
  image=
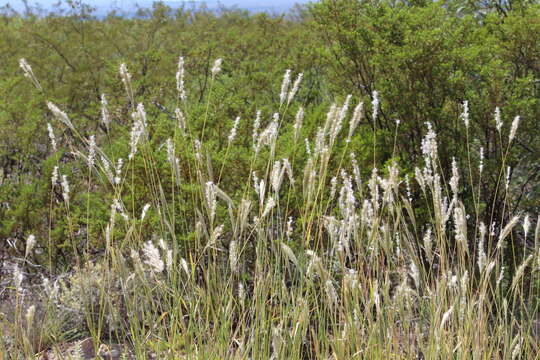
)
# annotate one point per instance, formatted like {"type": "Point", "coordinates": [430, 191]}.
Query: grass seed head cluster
{"type": "Point", "coordinates": [307, 260]}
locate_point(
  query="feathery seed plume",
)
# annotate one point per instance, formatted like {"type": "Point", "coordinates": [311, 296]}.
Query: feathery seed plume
{"type": "Point", "coordinates": [137, 131]}
{"type": "Point", "coordinates": [92, 151]}
{"type": "Point", "coordinates": [180, 79]}
{"type": "Point", "coordinates": [446, 317]}
{"type": "Point", "coordinates": [60, 115]}
{"type": "Point", "coordinates": [153, 258]}
{"type": "Point", "coordinates": [284, 86]}
{"type": "Point", "coordinates": [506, 231]}
{"type": "Point", "coordinates": [375, 104]}
{"type": "Point", "coordinates": [55, 175]}
{"type": "Point", "coordinates": [105, 118]}
{"type": "Point", "coordinates": [299, 118]}
{"type": "Point", "coordinates": [465, 113]}
{"type": "Point", "coordinates": [170, 151]}
{"type": "Point", "coordinates": [51, 136]}
{"type": "Point", "coordinates": [65, 188]}
{"type": "Point", "coordinates": [27, 69]}
{"type": "Point", "coordinates": [526, 225]}
{"type": "Point", "coordinates": [482, 258]}
{"type": "Point", "coordinates": [30, 312]}
{"type": "Point", "coordinates": [180, 118]}
{"type": "Point", "coordinates": [233, 256]}
{"type": "Point", "coordinates": [30, 243]}
{"type": "Point", "coordinates": [289, 231]}
{"type": "Point", "coordinates": [18, 277]}
{"type": "Point", "coordinates": [107, 168]}
{"type": "Point", "coordinates": [295, 87]}
{"type": "Point", "coordinates": [513, 129]}
{"type": "Point", "coordinates": [355, 120]}
{"type": "Point", "coordinates": [217, 67]}
{"type": "Point", "coordinates": [269, 206]}
{"type": "Point", "coordinates": [331, 293]}
{"type": "Point", "coordinates": [415, 274]}
{"type": "Point", "coordinates": [118, 171]}
{"type": "Point", "coordinates": [184, 266]}
{"type": "Point", "coordinates": [234, 129]}
{"type": "Point", "coordinates": [498, 121]}
{"type": "Point", "coordinates": [481, 161]}
{"type": "Point", "coordinates": [256, 127]}
{"type": "Point", "coordinates": [508, 173]}
{"type": "Point", "coordinates": [126, 79]}
{"type": "Point", "coordinates": [144, 211]}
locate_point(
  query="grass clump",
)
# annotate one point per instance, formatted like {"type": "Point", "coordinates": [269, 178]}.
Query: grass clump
{"type": "Point", "coordinates": [290, 251]}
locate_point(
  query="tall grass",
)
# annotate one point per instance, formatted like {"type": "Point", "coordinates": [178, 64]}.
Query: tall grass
{"type": "Point", "coordinates": [309, 261]}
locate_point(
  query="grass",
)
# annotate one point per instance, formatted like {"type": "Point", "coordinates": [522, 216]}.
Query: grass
{"type": "Point", "coordinates": [347, 271]}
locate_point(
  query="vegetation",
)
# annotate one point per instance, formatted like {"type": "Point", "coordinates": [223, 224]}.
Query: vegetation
{"type": "Point", "coordinates": [165, 186]}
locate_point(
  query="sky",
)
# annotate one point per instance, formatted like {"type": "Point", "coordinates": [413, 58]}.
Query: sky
{"type": "Point", "coordinates": [103, 6]}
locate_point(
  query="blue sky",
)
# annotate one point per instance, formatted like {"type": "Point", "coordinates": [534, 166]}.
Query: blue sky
{"type": "Point", "coordinates": [128, 5]}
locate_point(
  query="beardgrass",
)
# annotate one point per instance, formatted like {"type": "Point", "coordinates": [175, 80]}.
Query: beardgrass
{"type": "Point", "coordinates": [307, 261]}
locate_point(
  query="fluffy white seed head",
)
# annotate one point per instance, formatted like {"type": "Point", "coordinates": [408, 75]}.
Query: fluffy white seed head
{"type": "Point", "coordinates": [415, 274]}
{"type": "Point", "coordinates": [482, 258]}
{"type": "Point", "coordinates": [137, 131]}
{"type": "Point", "coordinates": [27, 70]}
{"type": "Point", "coordinates": [498, 121]}
{"type": "Point", "coordinates": [124, 73]}
{"type": "Point", "coordinates": [30, 243]}
{"type": "Point", "coordinates": [270, 203]}
{"type": "Point", "coordinates": [526, 225]}
{"type": "Point", "coordinates": [180, 118]}
{"type": "Point", "coordinates": [429, 144]}
{"type": "Point", "coordinates": [233, 256]}
{"type": "Point", "coordinates": [60, 115]}
{"type": "Point", "coordinates": [299, 118]}
{"type": "Point", "coordinates": [126, 79]}
{"type": "Point", "coordinates": [465, 113]}
{"type": "Point", "coordinates": [30, 312]}
{"type": "Point", "coordinates": [460, 225]}
{"type": "Point", "coordinates": [295, 88]}
{"type": "Point", "coordinates": [285, 86]}
{"type": "Point", "coordinates": [144, 211]}
{"type": "Point", "coordinates": [290, 228]}
{"type": "Point", "coordinates": [446, 318]}
{"type": "Point", "coordinates": [454, 180]}
{"type": "Point", "coordinates": [210, 194]}
{"type": "Point", "coordinates": [18, 278]}
{"type": "Point", "coordinates": [428, 244]}
{"type": "Point", "coordinates": [180, 79]}
{"type": "Point", "coordinates": [513, 129]}
{"type": "Point", "coordinates": [92, 151]}
{"type": "Point", "coordinates": [55, 176]}
{"type": "Point", "coordinates": [65, 188]}
{"type": "Point", "coordinates": [355, 120]}
{"type": "Point", "coordinates": [331, 293]}
{"type": "Point", "coordinates": [153, 257]}
{"type": "Point", "coordinates": [184, 266]}
{"type": "Point", "coordinates": [107, 168]}
{"type": "Point", "coordinates": [170, 151]}
{"type": "Point", "coordinates": [217, 67]}
{"type": "Point", "coordinates": [256, 127]}
{"type": "Point", "coordinates": [118, 171]}
{"type": "Point", "coordinates": [506, 231]}
{"type": "Point", "coordinates": [375, 104]}
{"type": "Point", "coordinates": [481, 161]}
{"type": "Point", "coordinates": [51, 136]}
{"type": "Point", "coordinates": [234, 129]}
{"type": "Point", "coordinates": [105, 117]}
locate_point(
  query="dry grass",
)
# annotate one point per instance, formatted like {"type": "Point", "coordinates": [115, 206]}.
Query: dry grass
{"type": "Point", "coordinates": [348, 272]}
